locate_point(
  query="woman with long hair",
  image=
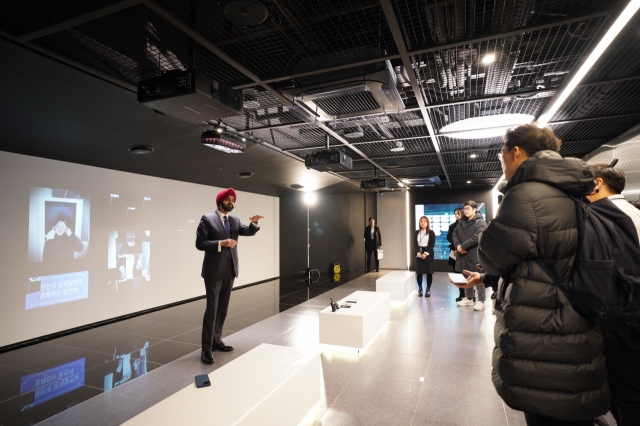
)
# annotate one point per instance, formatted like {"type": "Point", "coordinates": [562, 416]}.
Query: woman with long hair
{"type": "Point", "coordinates": [424, 240]}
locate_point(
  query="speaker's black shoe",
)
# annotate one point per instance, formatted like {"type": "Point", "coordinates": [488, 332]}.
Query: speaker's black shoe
{"type": "Point", "coordinates": [377, 270]}
{"type": "Point", "coordinates": [206, 357]}
{"type": "Point", "coordinates": [419, 294]}
{"type": "Point", "coordinates": [427, 294]}
{"type": "Point", "coordinates": [222, 347]}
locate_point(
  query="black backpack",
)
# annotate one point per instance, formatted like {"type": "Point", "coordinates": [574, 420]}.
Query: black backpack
{"type": "Point", "coordinates": [605, 276]}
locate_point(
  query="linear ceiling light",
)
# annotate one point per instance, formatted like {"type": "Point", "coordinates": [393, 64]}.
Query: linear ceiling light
{"type": "Point", "coordinates": [615, 29]}
{"type": "Point", "coordinates": [485, 127]}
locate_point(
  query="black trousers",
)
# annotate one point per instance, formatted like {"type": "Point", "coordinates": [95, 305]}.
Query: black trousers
{"type": "Point", "coordinates": [622, 352]}
{"type": "Point", "coordinates": [218, 295]}
{"type": "Point", "coordinates": [538, 420]}
{"type": "Point", "coordinates": [429, 281]}
{"type": "Point", "coordinates": [375, 254]}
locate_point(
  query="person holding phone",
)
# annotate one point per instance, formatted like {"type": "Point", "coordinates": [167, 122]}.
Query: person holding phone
{"type": "Point", "coordinates": [465, 238]}
{"type": "Point", "coordinates": [424, 240]}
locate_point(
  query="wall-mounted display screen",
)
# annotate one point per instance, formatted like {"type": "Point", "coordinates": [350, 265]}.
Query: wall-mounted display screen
{"type": "Point", "coordinates": [441, 216]}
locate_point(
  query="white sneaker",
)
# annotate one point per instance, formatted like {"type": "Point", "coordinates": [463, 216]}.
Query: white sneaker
{"type": "Point", "coordinates": [479, 306]}
{"type": "Point", "coordinates": [465, 302]}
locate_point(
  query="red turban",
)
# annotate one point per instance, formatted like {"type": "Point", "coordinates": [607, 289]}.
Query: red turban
{"type": "Point", "coordinates": [222, 195]}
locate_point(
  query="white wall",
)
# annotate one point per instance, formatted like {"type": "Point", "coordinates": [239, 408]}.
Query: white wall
{"type": "Point", "coordinates": [393, 216]}
{"type": "Point", "coordinates": [170, 216]}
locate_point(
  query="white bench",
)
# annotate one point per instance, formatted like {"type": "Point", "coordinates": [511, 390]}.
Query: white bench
{"type": "Point", "coordinates": [269, 385]}
{"type": "Point", "coordinates": [355, 327]}
{"type": "Point", "coordinates": [400, 284]}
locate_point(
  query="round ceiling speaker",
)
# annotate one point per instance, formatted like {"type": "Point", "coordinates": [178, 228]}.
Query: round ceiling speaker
{"type": "Point", "coordinates": [141, 149]}
{"type": "Point", "coordinates": [245, 12]}
{"type": "Point", "coordinates": [245, 175]}
{"type": "Point", "coordinates": [353, 135]}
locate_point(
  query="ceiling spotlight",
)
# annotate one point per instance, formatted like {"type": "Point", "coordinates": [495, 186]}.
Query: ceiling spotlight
{"type": "Point", "coordinates": [473, 156]}
{"type": "Point", "coordinates": [489, 58]}
{"type": "Point", "coordinates": [140, 149]}
{"type": "Point", "coordinates": [219, 129]}
{"type": "Point", "coordinates": [226, 143]}
{"type": "Point", "coordinates": [310, 198]}
{"type": "Point", "coordinates": [244, 139]}
{"type": "Point", "coordinates": [468, 181]}
{"type": "Point", "coordinates": [398, 147]}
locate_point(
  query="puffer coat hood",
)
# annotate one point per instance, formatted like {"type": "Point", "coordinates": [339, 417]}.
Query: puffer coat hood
{"type": "Point", "coordinates": [548, 359]}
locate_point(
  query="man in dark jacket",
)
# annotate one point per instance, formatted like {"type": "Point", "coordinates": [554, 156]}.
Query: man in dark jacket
{"type": "Point", "coordinates": [452, 247]}
{"type": "Point", "coordinates": [372, 242]}
{"type": "Point", "coordinates": [465, 238]}
{"type": "Point", "coordinates": [548, 360]}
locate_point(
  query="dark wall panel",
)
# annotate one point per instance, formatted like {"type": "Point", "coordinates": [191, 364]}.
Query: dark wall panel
{"type": "Point", "coordinates": [336, 223]}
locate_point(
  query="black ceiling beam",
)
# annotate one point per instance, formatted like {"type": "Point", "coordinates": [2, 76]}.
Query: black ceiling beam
{"type": "Point", "coordinates": [398, 38]}
{"type": "Point", "coordinates": [79, 20]}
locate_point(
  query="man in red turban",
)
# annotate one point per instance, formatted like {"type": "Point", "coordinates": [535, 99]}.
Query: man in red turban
{"type": "Point", "coordinates": [217, 236]}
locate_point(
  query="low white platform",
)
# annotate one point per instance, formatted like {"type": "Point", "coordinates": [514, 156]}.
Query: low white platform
{"type": "Point", "coordinates": [400, 284]}
{"type": "Point", "coordinates": [355, 327]}
{"type": "Point", "coordinates": [269, 385]}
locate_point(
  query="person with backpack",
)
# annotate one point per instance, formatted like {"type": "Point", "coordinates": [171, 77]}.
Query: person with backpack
{"type": "Point", "coordinates": [621, 321]}
{"type": "Point", "coordinates": [548, 360]}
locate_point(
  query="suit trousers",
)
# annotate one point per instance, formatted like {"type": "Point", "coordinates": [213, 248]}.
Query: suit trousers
{"type": "Point", "coordinates": [373, 252]}
{"type": "Point", "coordinates": [218, 295]}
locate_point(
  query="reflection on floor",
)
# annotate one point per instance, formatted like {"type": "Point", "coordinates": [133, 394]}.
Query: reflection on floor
{"type": "Point", "coordinates": [431, 365]}
{"type": "Point", "coordinates": [45, 379]}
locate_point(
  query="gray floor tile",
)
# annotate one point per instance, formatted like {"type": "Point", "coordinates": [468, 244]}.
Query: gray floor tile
{"type": "Point", "coordinates": [343, 413]}
{"type": "Point", "coordinates": [194, 337]}
{"type": "Point", "coordinates": [237, 324]}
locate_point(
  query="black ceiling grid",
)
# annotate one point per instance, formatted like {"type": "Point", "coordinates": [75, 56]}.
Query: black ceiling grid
{"type": "Point", "coordinates": [294, 137]}
{"type": "Point", "coordinates": [476, 167]}
{"type": "Point", "coordinates": [581, 148]}
{"type": "Point", "coordinates": [454, 144]}
{"type": "Point", "coordinates": [487, 154]}
{"type": "Point", "coordinates": [527, 62]}
{"type": "Point", "coordinates": [297, 36]}
{"type": "Point", "coordinates": [601, 100]}
{"type": "Point", "coordinates": [19, 18]}
{"type": "Point", "coordinates": [400, 161]}
{"type": "Point", "coordinates": [131, 44]}
{"type": "Point", "coordinates": [423, 22]}
{"type": "Point", "coordinates": [262, 109]}
{"type": "Point", "coordinates": [389, 126]}
{"type": "Point", "coordinates": [382, 149]}
{"type": "Point", "coordinates": [606, 128]}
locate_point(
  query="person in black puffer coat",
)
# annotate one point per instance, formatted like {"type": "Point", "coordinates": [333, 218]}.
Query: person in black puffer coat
{"type": "Point", "coordinates": [465, 238]}
{"type": "Point", "coordinates": [548, 360]}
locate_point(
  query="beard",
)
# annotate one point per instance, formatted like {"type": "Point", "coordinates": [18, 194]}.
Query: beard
{"type": "Point", "coordinates": [227, 207]}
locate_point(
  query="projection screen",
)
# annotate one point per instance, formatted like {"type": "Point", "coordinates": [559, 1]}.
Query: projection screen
{"type": "Point", "coordinates": [84, 244]}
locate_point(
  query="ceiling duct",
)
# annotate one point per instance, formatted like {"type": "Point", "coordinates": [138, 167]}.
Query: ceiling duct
{"type": "Point", "coordinates": [354, 92]}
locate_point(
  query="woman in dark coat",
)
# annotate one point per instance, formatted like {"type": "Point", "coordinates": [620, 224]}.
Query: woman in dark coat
{"type": "Point", "coordinates": [452, 247]}
{"type": "Point", "coordinates": [424, 239]}
{"type": "Point", "coordinates": [465, 238]}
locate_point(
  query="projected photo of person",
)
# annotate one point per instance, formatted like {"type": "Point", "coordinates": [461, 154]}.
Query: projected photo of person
{"type": "Point", "coordinates": [128, 258]}
{"type": "Point", "coordinates": [58, 225]}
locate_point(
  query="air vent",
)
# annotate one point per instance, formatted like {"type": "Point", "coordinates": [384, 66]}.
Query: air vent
{"type": "Point", "coordinates": [348, 103]}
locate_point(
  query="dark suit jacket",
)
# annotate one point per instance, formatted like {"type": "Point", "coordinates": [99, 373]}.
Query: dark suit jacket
{"type": "Point", "coordinates": [368, 242]}
{"type": "Point", "coordinates": [210, 232]}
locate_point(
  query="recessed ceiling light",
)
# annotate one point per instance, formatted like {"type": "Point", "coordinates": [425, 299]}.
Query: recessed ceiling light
{"type": "Point", "coordinates": [398, 147]}
{"type": "Point", "coordinates": [141, 149]}
{"type": "Point", "coordinates": [485, 127]}
{"type": "Point", "coordinates": [488, 58]}
{"type": "Point", "coordinates": [468, 181]}
{"type": "Point", "coordinates": [473, 156]}
{"type": "Point", "coordinates": [296, 187]}
{"type": "Point", "coordinates": [245, 175]}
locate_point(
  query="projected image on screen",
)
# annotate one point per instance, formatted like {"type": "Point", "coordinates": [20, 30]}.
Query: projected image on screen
{"type": "Point", "coordinates": [58, 225]}
{"type": "Point", "coordinates": [441, 216]}
{"type": "Point", "coordinates": [128, 258]}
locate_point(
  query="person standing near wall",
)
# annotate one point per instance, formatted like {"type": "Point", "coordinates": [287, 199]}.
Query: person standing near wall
{"type": "Point", "coordinates": [424, 240]}
{"type": "Point", "coordinates": [217, 236]}
{"type": "Point", "coordinates": [372, 242]}
{"type": "Point", "coordinates": [465, 238]}
{"type": "Point", "coordinates": [452, 248]}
